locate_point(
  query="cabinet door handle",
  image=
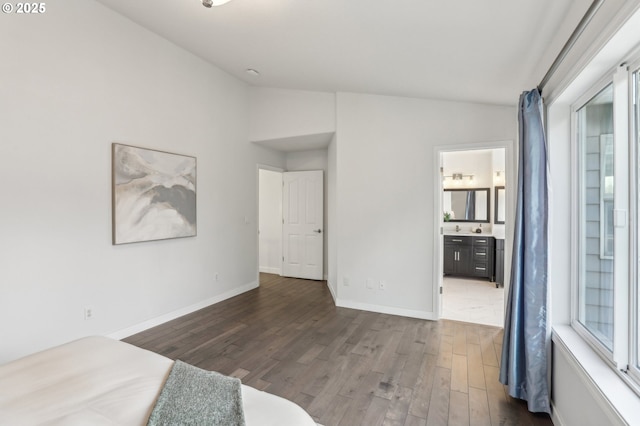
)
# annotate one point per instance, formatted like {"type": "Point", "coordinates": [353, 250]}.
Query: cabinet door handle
{"type": "Point", "coordinates": [456, 241]}
{"type": "Point", "coordinates": [481, 254]}
{"type": "Point", "coordinates": [481, 269]}
{"type": "Point", "coordinates": [481, 241]}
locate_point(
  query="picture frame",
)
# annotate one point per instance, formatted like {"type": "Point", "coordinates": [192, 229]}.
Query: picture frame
{"type": "Point", "coordinates": [500, 205]}
{"type": "Point", "coordinates": [153, 194]}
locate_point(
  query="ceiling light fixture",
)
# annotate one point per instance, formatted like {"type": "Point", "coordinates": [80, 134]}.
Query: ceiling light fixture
{"type": "Point", "coordinates": [252, 72]}
{"type": "Point", "coordinates": [209, 3]}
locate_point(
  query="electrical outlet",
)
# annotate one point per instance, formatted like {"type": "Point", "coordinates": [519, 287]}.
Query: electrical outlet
{"type": "Point", "coordinates": [382, 285]}
{"type": "Point", "coordinates": [88, 312]}
{"type": "Point", "coordinates": [369, 283]}
{"type": "Point", "coordinates": [345, 281]}
{"type": "Point", "coordinates": [216, 277]}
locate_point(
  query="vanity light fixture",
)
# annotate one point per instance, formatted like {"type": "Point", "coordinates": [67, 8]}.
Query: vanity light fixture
{"type": "Point", "coordinates": [458, 177]}
{"type": "Point", "coordinates": [499, 177]}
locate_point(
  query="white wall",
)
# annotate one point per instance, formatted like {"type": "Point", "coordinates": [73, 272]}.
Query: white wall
{"type": "Point", "coordinates": [560, 207]}
{"type": "Point", "coordinates": [386, 191]}
{"type": "Point", "coordinates": [332, 249]}
{"type": "Point", "coordinates": [499, 165]}
{"type": "Point", "coordinates": [306, 160]}
{"type": "Point", "coordinates": [75, 80]}
{"type": "Point", "coordinates": [270, 221]}
{"type": "Point", "coordinates": [477, 163]}
{"type": "Point", "coordinates": [282, 113]}
{"type": "Point", "coordinates": [576, 400]}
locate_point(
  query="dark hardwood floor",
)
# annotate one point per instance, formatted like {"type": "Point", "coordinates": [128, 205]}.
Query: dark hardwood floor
{"type": "Point", "coordinates": [344, 366]}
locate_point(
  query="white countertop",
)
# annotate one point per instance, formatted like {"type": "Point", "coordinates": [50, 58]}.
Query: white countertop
{"type": "Point", "coordinates": [499, 234]}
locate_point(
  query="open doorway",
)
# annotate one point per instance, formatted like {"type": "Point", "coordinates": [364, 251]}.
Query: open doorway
{"type": "Point", "coordinates": [473, 226]}
{"type": "Point", "coordinates": [270, 220]}
{"type": "Point", "coordinates": [299, 188]}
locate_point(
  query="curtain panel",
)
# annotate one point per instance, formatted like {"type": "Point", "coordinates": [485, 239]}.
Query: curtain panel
{"type": "Point", "coordinates": [525, 363]}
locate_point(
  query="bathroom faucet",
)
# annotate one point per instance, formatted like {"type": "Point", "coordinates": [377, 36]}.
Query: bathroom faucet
{"type": "Point", "coordinates": [457, 228]}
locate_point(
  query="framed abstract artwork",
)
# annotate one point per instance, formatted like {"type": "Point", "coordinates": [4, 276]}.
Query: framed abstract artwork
{"type": "Point", "coordinates": [153, 195]}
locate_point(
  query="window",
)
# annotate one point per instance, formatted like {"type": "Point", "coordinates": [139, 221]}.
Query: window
{"type": "Point", "coordinates": [635, 328]}
{"type": "Point", "coordinates": [594, 120]}
{"type": "Point", "coordinates": [605, 201]}
{"type": "Point", "coordinates": [596, 245]}
{"type": "Point", "coordinates": [607, 212]}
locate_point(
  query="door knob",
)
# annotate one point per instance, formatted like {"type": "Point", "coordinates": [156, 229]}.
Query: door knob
{"type": "Point", "coordinates": [317, 231]}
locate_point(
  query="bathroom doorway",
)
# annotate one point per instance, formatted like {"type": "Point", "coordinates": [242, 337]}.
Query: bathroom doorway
{"type": "Point", "coordinates": [473, 226]}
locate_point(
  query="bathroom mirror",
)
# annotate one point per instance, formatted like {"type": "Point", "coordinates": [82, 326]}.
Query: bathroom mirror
{"type": "Point", "coordinates": [499, 205]}
{"type": "Point", "coordinates": [467, 205]}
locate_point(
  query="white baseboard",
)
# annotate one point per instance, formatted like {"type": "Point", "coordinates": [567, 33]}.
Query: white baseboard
{"type": "Point", "coordinates": [145, 325]}
{"type": "Point", "coordinates": [555, 417]}
{"type": "Point", "coordinates": [269, 270]}
{"type": "Point", "coordinates": [386, 309]}
{"type": "Point", "coordinates": [332, 291]}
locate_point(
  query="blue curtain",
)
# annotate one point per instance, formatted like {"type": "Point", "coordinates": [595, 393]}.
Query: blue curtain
{"type": "Point", "coordinates": [470, 207]}
{"type": "Point", "coordinates": [524, 363]}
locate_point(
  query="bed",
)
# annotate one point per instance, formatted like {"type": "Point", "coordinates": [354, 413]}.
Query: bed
{"type": "Point", "coordinates": [101, 381]}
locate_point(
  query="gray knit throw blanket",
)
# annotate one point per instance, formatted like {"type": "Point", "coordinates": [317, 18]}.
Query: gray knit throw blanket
{"type": "Point", "coordinates": [192, 396]}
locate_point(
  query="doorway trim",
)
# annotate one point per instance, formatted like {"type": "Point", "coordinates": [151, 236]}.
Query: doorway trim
{"type": "Point", "coordinates": [259, 167]}
{"type": "Point", "coordinates": [510, 183]}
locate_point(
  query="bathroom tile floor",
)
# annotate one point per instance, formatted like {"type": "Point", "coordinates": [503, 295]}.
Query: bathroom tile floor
{"type": "Point", "coordinates": [476, 301]}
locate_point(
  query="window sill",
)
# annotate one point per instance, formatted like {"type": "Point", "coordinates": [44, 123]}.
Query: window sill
{"type": "Point", "coordinates": [603, 382]}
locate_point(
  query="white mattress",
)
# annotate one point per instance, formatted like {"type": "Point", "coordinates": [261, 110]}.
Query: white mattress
{"type": "Point", "coordinates": [100, 381]}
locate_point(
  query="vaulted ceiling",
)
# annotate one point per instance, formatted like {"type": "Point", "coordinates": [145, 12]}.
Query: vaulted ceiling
{"type": "Point", "coordinates": [485, 51]}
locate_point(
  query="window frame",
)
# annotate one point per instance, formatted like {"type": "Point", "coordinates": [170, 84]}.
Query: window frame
{"type": "Point", "coordinates": [624, 358]}
{"type": "Point", "coordinates": [634, 205]}
{"type": "Point", "coordinates": [577, 155]}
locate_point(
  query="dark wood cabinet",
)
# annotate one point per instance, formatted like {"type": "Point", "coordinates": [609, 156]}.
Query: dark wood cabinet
{"type": "Point", "coordinates": [499, 262]}
{"type": "Point", "coordinates": [457, 255]}
{"type": "Point", "coordinates": [469, 256]}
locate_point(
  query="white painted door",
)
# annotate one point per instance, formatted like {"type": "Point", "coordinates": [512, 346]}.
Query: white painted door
{"type": "Point", "coordinates": [302, 227]}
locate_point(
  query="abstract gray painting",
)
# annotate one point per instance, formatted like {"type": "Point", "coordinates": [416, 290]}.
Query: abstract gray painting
{"type": "Point", "coordinates": [154, 195]}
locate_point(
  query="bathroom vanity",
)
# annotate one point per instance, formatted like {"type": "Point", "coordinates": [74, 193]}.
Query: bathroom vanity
{"type": "Point", "coordinates": [499, 271]}
{"type": "Point", "coordinates": [469, 255]}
